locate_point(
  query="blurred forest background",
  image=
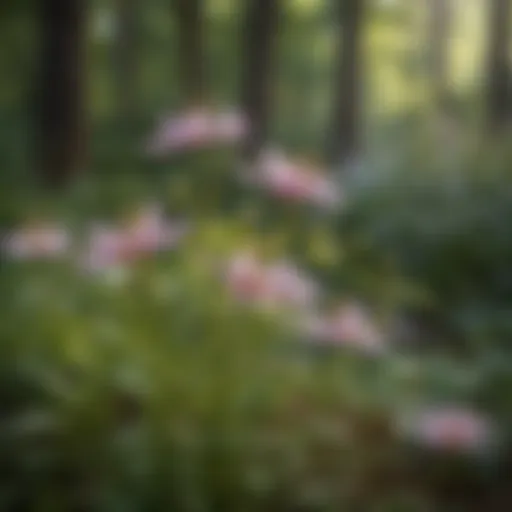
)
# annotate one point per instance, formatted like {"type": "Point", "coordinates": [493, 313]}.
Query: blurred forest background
{"type": "Point", "coordinates": [325, 324]}
{"type": "Point", "coordinates": [134, 63]}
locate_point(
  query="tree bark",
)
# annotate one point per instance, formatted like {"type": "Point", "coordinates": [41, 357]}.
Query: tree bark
{"type": "Point", "coordinates": [440, 12]}
{"type": "Point", "coordinates": [259, 56]}
{"type": "Point", "coordinates": [344, 137]}
{"type": "Point", "coordinates": [498, 68]}
{"type": "Point", "coordinates": [62, 127]}
{"type": "Point", "coordinates": [126, 58]}
{"type": "Point", "coordinates": [190, 50]}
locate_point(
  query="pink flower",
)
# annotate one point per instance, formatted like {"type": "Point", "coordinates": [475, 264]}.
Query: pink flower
{"type": "Point", "coordinates": [450, 428]}
{"type": "Point", "coordinates": [105, 249]}
{"type": "Point", "coordinates": [35, 242]}
{"type": "Point", "coordinates": [230, 126]}
{"type": "Point", "coordinates": [294, 181]}
{"type": "Point", "coordinates": [197, 128]}
{"type": "Point", "coordinates": [279, 284]}
{"type": "Point", "coordinates": [349, 325]}
{"type": "Point", "coordinates": [288, 284]}
{"type": "Point", "coordinates": [245, 277]}
{"type": "Point", "coordinates": [147, 233]}
{"type": "Point", "coordinates": [150, 232]}
{"type": "Point", "coordinates": [186, 131]}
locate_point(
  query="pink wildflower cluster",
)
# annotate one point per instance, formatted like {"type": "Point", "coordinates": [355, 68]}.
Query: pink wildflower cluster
{"type": "Point", "coordinates": [450, 428]}
{"type": "Point", "coordinates": [197, 128]}
{"type": "Point", "coordinates": [36, 242]}
{"type": "Point", "coordinates": [275, 284]}
{"type": "Point", "coordinates": [147, 233]}
{"type": "Point", "coordinates": [282, 284]}
{"type": "Point", "coordinates": [348, 325]}
{"type": "Point", "coordinates": [293, 181]}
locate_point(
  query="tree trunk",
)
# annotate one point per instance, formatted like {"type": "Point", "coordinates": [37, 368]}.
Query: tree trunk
{"type": "Point", "coordinates": [498, 69]}
{"type": "Point", "coordinates": [259, 47]}
{"type": "Point", "coordinates": [62, 129]}
{"type": "Point", "coordinates": [440, 12]}
{"type": "Point", "coordinates": [344, 138]}
{"type": "Point", "coordinates": [126, 58]}
{"type": "Point", "coordinates": [190, 50]}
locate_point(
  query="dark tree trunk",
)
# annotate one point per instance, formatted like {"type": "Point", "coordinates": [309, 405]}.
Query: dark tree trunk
{"type": "Point", "coordinates": [190, 50]}
{"type": "Point", "coordinates": [62, 128]}
{"type": "Point", "coordinates": [439, 48]}
{"type": "Point", "coordinates": [259, 55]}
{"type": "Point", "coordinates": [344, 138]}
{"type": "Point", "coordinates": [126, 60]}
{"type": "Point", "coordinates": [498, 69]}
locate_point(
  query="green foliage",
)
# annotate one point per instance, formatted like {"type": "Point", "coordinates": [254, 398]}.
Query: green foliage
{"type": "Point", "coordinates": [447, 230]}
{"type": "Point", "coordinates": [156, 390]}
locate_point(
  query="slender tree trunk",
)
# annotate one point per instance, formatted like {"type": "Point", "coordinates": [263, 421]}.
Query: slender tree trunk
{"type": "Point", "coordinates": [440, 13]}
{"type": "Point", "coordinates": [259, 47]}
{"type": "Point", "coordinates": [126, 58]}
{"type": "Point", "coordinates": [190, 50]}
{"type": "Point", "coordinates": [62, 127]}
{"type": "Point", "coordinates": [498, 68]}
{"type": "Point", "coordinates": [344, 138]}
